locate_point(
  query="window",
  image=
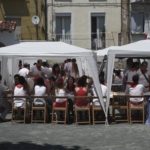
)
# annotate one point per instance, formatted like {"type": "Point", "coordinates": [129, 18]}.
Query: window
{"type": "Point", "coordinates": [140, 22]}
{"type": "Point", "coordinates": [98, 30]}
{"type": "Point", "coordinates": [63, 27]}
{"type": "Point", "coordinates": [137, 22]}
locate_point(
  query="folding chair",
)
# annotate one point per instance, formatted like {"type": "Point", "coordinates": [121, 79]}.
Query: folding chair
{"type": "Point", "coordinates": [137, 110]}
{"type": "Point", "coordinates": [19, 110]}
{"type": "Point", "coordinates": [120, 107]}
{"type": "Point", "coordinates": [98, 115]}
{"type": "Point", "coordinates": [39, 110]}
{"type": "Point", "coordinates": [59, 113]}
{"type": "Point", "coordinates": [82, 114]}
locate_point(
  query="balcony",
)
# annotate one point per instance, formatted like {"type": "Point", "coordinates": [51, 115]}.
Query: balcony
{"type": "Point", "coordinates": [64, 38]}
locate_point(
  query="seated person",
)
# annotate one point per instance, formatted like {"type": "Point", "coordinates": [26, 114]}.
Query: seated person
{"type": "Point", "coordinates": [3, 103]}
{"type": "Point", "coordinates": [20, 89]}
{"type": "Point", "coordinates": [39, 90]}
{"type": "Point", "coordinates": [60, 91]}
{"type": "Point", "coordinates": [96, 101]}
{"type": "Point", "coordinates": [136, 89]}
{"type": "Point", "coordinates": [81, 90]}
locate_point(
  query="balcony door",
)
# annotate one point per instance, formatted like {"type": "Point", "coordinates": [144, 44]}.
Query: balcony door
{"type": "Point", "coordinates": [63, 27]}
{"type": "Point", "coordinates": [97, 30]}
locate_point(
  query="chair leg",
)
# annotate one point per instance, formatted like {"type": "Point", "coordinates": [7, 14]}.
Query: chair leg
{"type": "Point", "coordinates": [65, 119]}
{"type": "Point", "coordinates": [76, 116]}
{"type": "Point", "coordinates": [89, 117]}
{"type": "Point", "coordinates": [93, 116]}
{"type": "Point", "coordinates": [143, 115]}
{"type": "Point", "coordinates": [130, 116]}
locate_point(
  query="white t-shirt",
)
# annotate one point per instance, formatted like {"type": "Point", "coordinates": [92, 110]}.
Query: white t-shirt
{"type": "Point", "coordinates": [142, 80]}
{"type": "Point", "coordinates": [39, 91]}
{"type": "Point", "coordinates": [19, 102]}
{"type": "Point", "coordinates": [136, 91]}
{"type": "Point", "coordinates": [23, 72]}
{"type": "Point", "coordinates": [60, 92]}
{"type": "Point", "coordinates": [104, 92]}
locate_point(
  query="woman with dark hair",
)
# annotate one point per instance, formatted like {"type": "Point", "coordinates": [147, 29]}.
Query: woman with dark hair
{"type": "Point", "coordinates": [70, 88]}
{"type": "Point", "coordinates": [39, 90]}
{"type": "Point", "coordinates": [56, 71]}
{"type": "Point", "coordinates": [60, 91]}
{"type": "Point", "coordinates": [81, 90]}
{"type": "Point", "coordinates": [20, 89]}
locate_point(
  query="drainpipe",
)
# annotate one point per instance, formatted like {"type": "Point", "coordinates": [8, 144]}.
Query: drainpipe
{"type": "Point", "coordinates": [46, 31]}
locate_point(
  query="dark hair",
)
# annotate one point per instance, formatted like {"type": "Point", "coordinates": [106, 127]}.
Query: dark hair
{"type": "Point", "coordinates": [25, 65]}
{"type": "Point", "coordinates": [55, 66]}
{"type": "Point", "coordinates": [101, 79]}
{"type": "Point", "coordinates": [40, 81]}
{"type": "Point", "coordinates": [82, 81]}
{"type": "Point", "coordinates": [22, 80]}
{"type": "Point", "coordinates": [39, 61]}
{"type": "Point", "coordinates": [135, 78]}
{"type": "Point", "coordinates": [144, 63]}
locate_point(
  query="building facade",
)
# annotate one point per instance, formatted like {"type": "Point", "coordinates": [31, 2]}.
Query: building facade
{"type": "Point", "coordinates": [92, 24]}
{"type": "Point", "coordinates": [22, 12]}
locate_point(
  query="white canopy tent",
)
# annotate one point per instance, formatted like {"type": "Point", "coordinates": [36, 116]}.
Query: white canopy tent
{"type": "Point", "coordinates": [140, 49]}
{"type": "Point", "coordinates": [102, 52]}
{"type": "Point", "coordinates": [50, 50]}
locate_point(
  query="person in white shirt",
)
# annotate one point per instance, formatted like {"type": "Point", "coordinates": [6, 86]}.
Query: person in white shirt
{"type": "Point", "coordinates": [60, 91]}
{"type": "Point", "coordinates": [144, 76]}
{"type": "Point", "coordinates": [136, 89]}
{"type": "Point", "coordinates": [24, 71]}
{"type": "Point", "coordinates": [104, 92]}
{"type": "Point", "coordinates": [37, 70]}
{"type": "Point", "coordinates": [39, 90]}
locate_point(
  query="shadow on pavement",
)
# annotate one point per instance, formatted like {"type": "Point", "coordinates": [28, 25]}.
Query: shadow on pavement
{"type": "Point", "coordinates": [32, 146]}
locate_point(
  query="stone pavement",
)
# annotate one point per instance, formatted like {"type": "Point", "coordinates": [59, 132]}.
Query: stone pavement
{"type": "Point", "coordinates": [19, 136]}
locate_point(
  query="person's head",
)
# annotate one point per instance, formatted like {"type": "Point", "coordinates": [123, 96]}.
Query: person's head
{"type": "Point", "coordinates": [56, 68]}
{"type": "Point", "coordinates": [16, 78]}
{"type": "Point", "coordinates": [70, 80]}
{"type": "Point", "coordinates": [40, 81]}
{"type": "Point", "coordinates": [84, 78]}
{"type": "Point", "coordinates": [81, 81]}
{"type": "Point", "coordinates": [101, 74]}
{"type": "Point", "coordinates": [39, 62]}
{"type": "Point", "coordinates": [45, 64]}
{"type": "Point", "coordinates": [25, 65]}
{"type": "Point", "coordinates": [135, 79]}
{"type": "Point", "coordinates": [22, 80]}
{"type": "Point", "coordinates": [101, 80]}
{"type": "Point", "coordinates": [118, 72]}
{"type": "Point", "coordinates": [144, 65]}
{"type": "Point", "coordinates": [73, 60]}
{"type": "Point", "coordinates": [129, 62]}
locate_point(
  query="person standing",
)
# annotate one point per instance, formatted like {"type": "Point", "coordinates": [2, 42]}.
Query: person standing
{"type": "Point", "coordinates": [3, 103]}
{"type": "Point", "coordinates": [24, 71]}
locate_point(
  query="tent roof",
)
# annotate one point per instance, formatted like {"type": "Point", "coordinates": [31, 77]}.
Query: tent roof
{"type": "Point", "coordinates": [25, 49]}
{"type": "Point", "coordinates": [103, 52]}
{"type": "Point", "coordinates": [136, 49]}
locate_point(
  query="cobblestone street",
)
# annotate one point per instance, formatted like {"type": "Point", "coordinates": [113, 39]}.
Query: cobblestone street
{"type": "Point", "coordinates": [18, 136]}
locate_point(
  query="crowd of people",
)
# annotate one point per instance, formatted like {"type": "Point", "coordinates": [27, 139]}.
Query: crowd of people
{"type": "Point", "coordinates": [63, 80]}
{"type": "Point", "coordinates": [135, 80]}
{"type": "Point", "coordinates": [56, 80]}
